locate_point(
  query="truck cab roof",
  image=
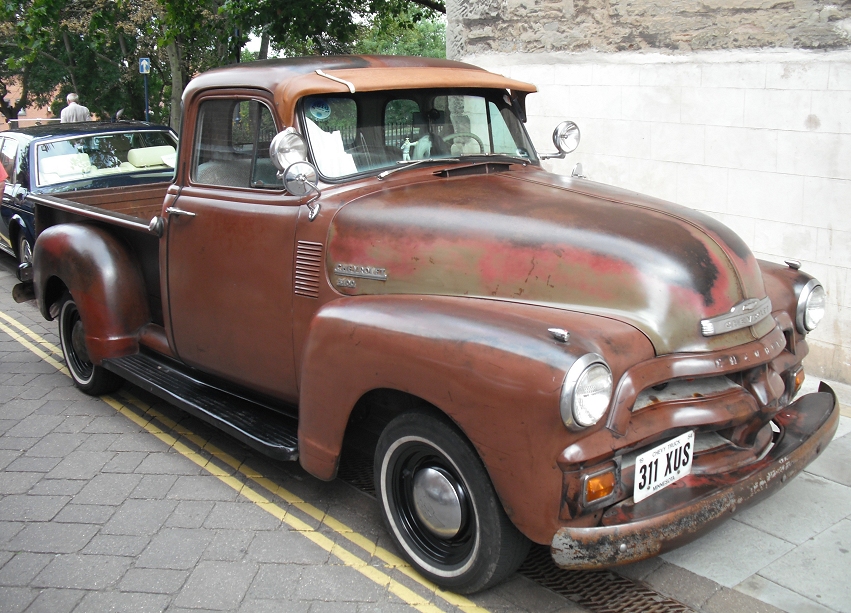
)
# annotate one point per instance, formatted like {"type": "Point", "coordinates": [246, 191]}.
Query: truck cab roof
{"type": "Point", "coordinates": [290, 79]}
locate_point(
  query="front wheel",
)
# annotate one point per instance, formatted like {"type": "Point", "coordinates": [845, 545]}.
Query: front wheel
{"type": "Point", "coordinates": [88, 377]}
{"type": "Point", "coordinates": [440, 507]}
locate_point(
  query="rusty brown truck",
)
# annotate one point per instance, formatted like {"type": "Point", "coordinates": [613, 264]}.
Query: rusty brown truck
{"type": "Point", "coordinates": [367, 249]}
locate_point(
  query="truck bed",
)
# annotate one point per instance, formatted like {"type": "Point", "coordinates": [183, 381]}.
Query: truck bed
{"type": "Point", "coordinates": [128, 210]}
{"type": "Point", "coordinates": [141, 201]}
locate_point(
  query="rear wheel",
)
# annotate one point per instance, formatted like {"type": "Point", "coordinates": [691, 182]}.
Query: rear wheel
{"type": "Point", "coordinates": [25, 250]}
{"type": "Point", "coordinates": [440, 507]}
{"type": "Point", "coordinates": [88, 377]}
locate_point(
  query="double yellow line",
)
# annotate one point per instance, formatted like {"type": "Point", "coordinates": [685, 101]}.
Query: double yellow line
{"type": "Point", "coordinates": [148, 418]}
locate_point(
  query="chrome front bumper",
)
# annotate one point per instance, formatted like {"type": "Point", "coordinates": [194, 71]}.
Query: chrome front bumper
{"type": "Point", "coordinates": [696, 504]}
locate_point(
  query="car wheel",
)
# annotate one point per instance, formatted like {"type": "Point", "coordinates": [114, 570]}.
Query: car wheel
{"type": "Point", "coordinates": [88, 377]}
{"type": "Point", "coordinates": [25, 250]}
{"type": "Point", "coordinates": [440, 507]}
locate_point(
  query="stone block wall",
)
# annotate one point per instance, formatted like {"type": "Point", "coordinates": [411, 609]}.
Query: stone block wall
{"type": "Point", "coordinates": [478, 27]}
{"type": "Point", "coordinates": [759, 140]}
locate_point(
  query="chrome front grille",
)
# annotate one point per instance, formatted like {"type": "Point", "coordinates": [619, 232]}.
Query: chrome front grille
{"type": "Point", "coordinates": [683, 389]}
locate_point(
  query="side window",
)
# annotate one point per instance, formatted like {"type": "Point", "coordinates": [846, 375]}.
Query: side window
{"type": "Point", "coordinates": [8, 153]}
{"type": "Point", "coordinates": [232, 140]}
{"type": "Point", "coordinates": [471, 122]}
{"type": "Point", "coordinates": [23, 177]}
{"type": "Point", "coordinates": [335, 141]}
{"type": "Point", "coordinates": [332, 115]}
{"type": "Point", "coordinates": [503, 141]}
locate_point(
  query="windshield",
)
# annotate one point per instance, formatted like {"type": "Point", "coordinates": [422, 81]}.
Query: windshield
{"type": "Point", "coordinates": [358, 133]}
{"type": "Point", "coordinates": [101, 155]}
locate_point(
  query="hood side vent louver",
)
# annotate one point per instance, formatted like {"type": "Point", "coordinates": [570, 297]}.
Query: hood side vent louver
{"type": "Point", "coordinates": [308, 265]}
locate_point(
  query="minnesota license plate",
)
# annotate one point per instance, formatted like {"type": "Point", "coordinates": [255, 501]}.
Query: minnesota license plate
{"type": "Point", "coordinates": [663, 465]}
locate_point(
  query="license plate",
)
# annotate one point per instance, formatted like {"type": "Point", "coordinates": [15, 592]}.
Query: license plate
{"type": "Point", "coordinates": [663, 465]}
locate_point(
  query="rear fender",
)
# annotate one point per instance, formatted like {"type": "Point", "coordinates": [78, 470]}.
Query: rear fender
{"type": "Point", "coordinates": [491, 366]}
{"type": "Point", "coordinates": [16, 227]}
{"type": "Point", "coordinates": [105, 280]}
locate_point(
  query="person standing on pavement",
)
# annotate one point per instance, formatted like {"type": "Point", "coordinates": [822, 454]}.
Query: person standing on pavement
{"type": "Point", "coordinates": [74, 112]}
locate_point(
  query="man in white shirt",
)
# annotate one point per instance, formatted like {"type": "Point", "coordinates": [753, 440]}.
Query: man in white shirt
{"type": "Point", "coordinates": [74, 112]}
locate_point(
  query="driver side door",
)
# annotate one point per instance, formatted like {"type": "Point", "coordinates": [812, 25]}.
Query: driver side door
{"type": "Point", "coordinates": [229, 250]}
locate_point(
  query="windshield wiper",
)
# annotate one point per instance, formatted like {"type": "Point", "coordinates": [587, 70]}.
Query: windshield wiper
{"type": "Point", "coordinates": [411, 163]}
{"type": "Point", "coordinates": [500, 156]}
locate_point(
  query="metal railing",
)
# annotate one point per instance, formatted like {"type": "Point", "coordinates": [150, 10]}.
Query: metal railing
{"type": "Point", "coordinates": [394, 134]}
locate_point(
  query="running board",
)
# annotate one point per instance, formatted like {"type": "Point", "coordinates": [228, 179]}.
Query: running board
{"type": "Point", "coordinates": [256, 425]}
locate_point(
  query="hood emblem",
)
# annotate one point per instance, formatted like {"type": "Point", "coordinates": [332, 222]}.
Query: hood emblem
{"type": "Point", "coordinates": [745, 314]}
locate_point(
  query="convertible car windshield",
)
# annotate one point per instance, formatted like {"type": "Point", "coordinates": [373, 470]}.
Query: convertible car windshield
{"type": "Point", "coordinates": [364, 132]}
{"type": "Point", "coordinates": [96, 155]}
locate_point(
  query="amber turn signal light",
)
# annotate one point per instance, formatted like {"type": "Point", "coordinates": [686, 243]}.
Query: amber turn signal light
{"type": "Point", "coordinates": [799, 379]}
{"type": "Point", "coordinates": [599, 486]}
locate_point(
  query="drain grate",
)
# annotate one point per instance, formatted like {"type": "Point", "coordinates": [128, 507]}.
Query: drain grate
{"type": "Point", "coordinates": [598, 591]}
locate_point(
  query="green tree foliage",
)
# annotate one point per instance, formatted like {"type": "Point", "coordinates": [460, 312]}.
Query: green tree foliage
{"type": "Point", "coordinates": [52, 47]}
{"type": "Point", "coordinates": [412, 33]}
{"type": "Point", "coordinates": [31, 67]}
{"type": "Point", "coordinates": [305, 27]}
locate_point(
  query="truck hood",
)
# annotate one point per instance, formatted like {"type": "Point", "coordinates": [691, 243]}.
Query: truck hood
{"type": "Point", "coordinates": [539, 238]}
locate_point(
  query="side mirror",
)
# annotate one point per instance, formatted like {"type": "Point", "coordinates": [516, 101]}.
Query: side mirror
{"type": "Point", "coordinates": [287, 148]}
{"type": "Point", "coordinates": [300, 180]}
{"type": "Point", "coordinates": [565, 138]}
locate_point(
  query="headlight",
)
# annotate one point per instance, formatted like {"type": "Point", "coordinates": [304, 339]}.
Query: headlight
{"type": "Point", "coordinates": [811, 303]}
{"type": "Point", "coordinates": [586, 392]}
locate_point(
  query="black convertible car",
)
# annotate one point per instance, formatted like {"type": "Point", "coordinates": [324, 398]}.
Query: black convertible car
{"type": "Point", "coordinates": [75, 156]}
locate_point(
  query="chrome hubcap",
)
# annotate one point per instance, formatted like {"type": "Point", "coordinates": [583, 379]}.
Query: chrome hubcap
{"type": "Point", "coordinates": [436, 502]}
{"type": "Point", "coordinates": [26, 252]}
{"type": "Point", "coordinates": [78, 341]}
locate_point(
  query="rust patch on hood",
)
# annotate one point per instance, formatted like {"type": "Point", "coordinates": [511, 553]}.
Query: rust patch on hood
{"type": "Point", "coordinates": [553, 241]}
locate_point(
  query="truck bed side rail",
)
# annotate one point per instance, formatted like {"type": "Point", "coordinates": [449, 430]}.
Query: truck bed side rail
{"type": "Point", "coordinates": [92, 212]}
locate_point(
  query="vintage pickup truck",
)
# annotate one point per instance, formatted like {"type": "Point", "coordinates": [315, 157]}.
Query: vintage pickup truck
{"type": "Point", "coordinates": [367, 250]}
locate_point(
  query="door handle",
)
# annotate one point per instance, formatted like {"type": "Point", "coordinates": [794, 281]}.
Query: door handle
{"type": "Point", "coordinates": [173, 210]}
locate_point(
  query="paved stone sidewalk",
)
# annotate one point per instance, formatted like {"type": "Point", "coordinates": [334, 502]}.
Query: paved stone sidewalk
{"type": "Point", "coordinates": [100, 510]}
{"type": "Point", "coordinates": [98, 514]}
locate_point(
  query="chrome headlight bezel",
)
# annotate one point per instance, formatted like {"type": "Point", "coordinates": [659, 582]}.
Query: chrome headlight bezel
{"type": "Point", "coordinates": [567, 402]}
{"type": "Point", "coordinates": [803, 322]}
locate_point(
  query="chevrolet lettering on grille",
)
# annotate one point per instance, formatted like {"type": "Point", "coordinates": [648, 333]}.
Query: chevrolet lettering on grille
{"type": "Point", "coordinates": [742, 315]}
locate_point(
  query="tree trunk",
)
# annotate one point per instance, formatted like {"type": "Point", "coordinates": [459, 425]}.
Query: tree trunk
{"type": "Point", "coordinates": [70, 67]}
{"type": "Point", "coordinates": [264, 46]}
{"type": "Point", "coordinates": [178, 81]}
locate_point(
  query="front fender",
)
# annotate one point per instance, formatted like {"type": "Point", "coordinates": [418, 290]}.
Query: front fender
{"type": "Point", "coordinates": [105, 280]}
{"type": "Point", "coordinates": [783, 284]}
{"type": "Point", "coordinates": [491, 366]}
